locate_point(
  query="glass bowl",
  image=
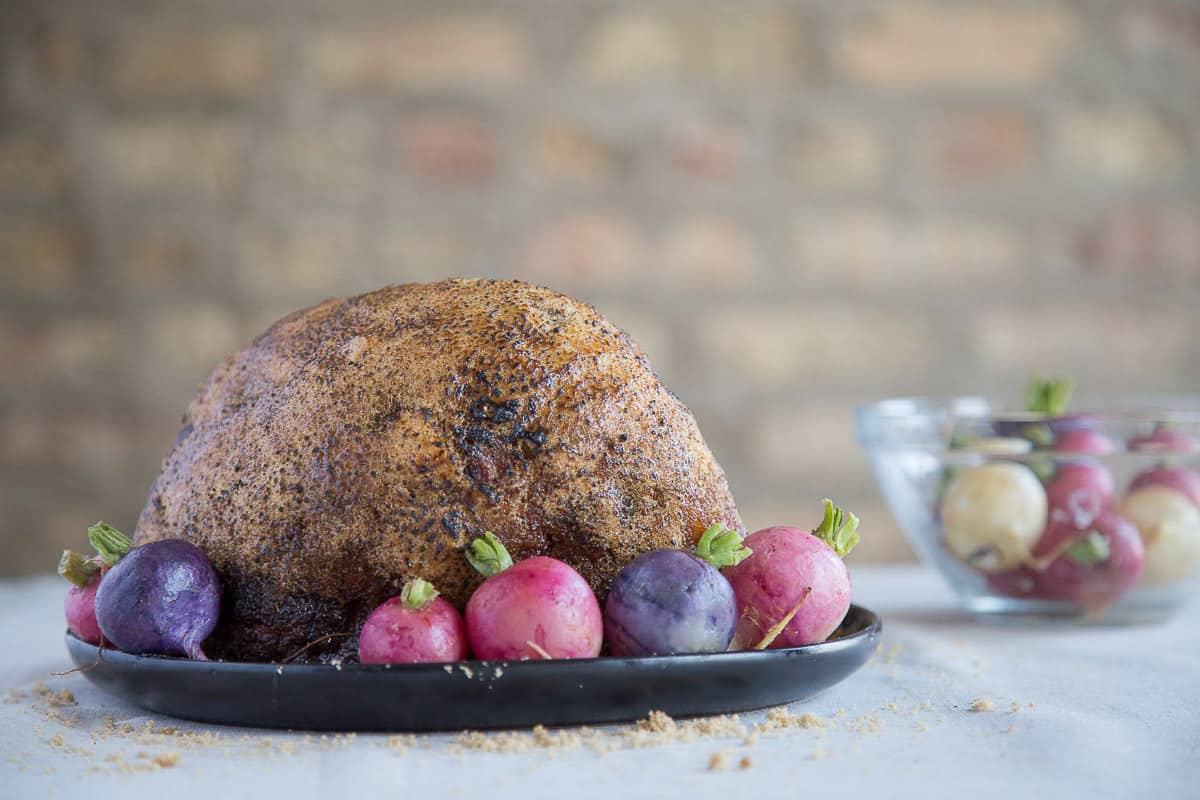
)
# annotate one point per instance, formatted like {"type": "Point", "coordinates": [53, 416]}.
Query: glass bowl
{"type": "Point", "coordinates": [1092, 515]}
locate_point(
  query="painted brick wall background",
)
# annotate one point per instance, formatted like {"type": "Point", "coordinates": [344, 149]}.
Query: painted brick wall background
{"type": "Point", "coordinates": [794, 206]}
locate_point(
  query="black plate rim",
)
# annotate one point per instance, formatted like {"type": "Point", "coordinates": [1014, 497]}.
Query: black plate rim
{"type": "Point", "coordinates": [873, 627]}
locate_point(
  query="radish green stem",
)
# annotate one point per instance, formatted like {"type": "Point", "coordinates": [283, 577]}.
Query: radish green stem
{"type": "Point", "coordinates": [109, 542]}
{"type": "Point", "coordinates": [722, 547]}
{"type": "Point", "coordinates": [417, 594]}
{"type": "Point", "coordinates": [839, 529]}
{"type": "Point", "coordinates": [77, 568]}
{"type": "Point", "coordinates": [1048, 396]}
{"type": "Point", "coordinates": [1091, 548]}
{"type": "Point", "coordinates": [778, 627]}
{"type": "Point", "coordinates": [488, 556]}
{"type": "Point", "coordinates": [1087, 548]}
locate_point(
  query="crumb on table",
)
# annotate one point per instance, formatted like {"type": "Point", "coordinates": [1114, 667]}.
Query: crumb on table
{"type": "Point", "coordinates": [982, 704]}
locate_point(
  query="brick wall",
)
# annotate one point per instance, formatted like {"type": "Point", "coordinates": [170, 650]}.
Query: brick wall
{"type": "Point", "coordinates": [794, 206]}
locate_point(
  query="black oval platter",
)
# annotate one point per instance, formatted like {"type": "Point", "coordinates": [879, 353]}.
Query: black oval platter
{"type": "Point", "coordinates": [478, 694]}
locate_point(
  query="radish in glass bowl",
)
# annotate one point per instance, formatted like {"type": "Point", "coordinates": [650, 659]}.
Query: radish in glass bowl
{"type": "Point", "coordinates": [1052, 508]}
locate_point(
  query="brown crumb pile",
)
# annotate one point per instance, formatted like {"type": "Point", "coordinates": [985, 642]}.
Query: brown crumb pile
{"type": "Point", "coordinates": [163, 744]}
{"type": "Point", "coordinates": [540, 738]}
{"type": "Point", "coordinates": [981, 704]}
{"type": "Point", "coordinates": [781, 719]}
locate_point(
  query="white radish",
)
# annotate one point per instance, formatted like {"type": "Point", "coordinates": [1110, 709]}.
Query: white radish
{"type": "Point", "coordinates": [1170, 527]}
{"type": "Point", "coordinates": [993, 515]}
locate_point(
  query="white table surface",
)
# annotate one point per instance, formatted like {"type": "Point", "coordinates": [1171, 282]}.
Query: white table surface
{"type": "Point", "coordinates": [1104, 712]}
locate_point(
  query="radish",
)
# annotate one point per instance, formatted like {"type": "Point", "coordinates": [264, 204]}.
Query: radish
{"type": "Point", "coordinates": [993, 514]}
{"type": "Point", "coordinates": [1091, 564]}
{"type": "Point", "coordinates": [1169, 524]}
{"type": "Point", "coordinates": [80, 609]}
{"type": "Point", "coordinates": [162, 598]}
{"type": "Point", "coordinates": [1180, 479]}
{"type": "Point", "coordinates": [1081, 489]}
{"type": "Point", "coordinates": [1084, 440]}
{"type": "Point", "coordinates": [416, 627]}
{"type": "Point", "coordinates": [794, 589]}
{"type": "Point", "coordinates": [668, 601]}
{"type": "Point", "coordinates": [538, 608]}
{"type": "Point", "coordinates": [85, 573]}
{"type": "Point", "coordinates": [1049, 398]}
{"type": "Point", "coordinates": [1164, 439]}
{"type": "Point", "coordinates": [1020, 582]}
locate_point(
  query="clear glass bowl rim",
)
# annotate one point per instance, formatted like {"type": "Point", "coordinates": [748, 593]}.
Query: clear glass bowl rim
{"type": "Point", "coordinates": [926, 422]}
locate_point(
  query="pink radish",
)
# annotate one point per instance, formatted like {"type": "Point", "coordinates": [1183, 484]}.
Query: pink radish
{"type": "Point", "coordinates": [85, 573]}
{"type": "Point", "coordinates": [1096, 562]}
{"type": "Point", "coordinates": [80, 608]}
{"type": "Point", "coordinates": [1179, 479]}
{"type": "Point", "coordinates": [1083, 440]}
{"type": "Point", "coordinates": [538, 608]}
{"type": "Point", "coordinates": [792, 572]}
{"type": "Point", "coordinates": [1081, 489]}
{"type": "Point", "coordinates": [1165, 440]}
{"type": "Point", "coordinates": [416, 627]}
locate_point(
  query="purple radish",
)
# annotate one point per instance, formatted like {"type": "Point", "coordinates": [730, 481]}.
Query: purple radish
{"type": "Point", "coordinates": [794, 589]}
{"type": "Point", "coordinates": [1179, 479]}
{"type": "Point", "coordinates": [538, 608]}
{"type": "Point", "coordinates": [669, 601]}
{"type": "Point", "coordinates": [85, 574]}
{"type": "Point", "coordinates": [1093, 564]}
{"type": "Point", "coordinates": [416, 627]}
{"type": "Point", "coordinates": [1164, 439]}
{"type": "Point", "coordinates": [162, 598]}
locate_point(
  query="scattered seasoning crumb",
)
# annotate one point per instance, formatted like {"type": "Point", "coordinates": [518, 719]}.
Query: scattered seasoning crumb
{"type": "Point", "coordinates": [497, 671]}
{"type": "Point", "coordinates": [926, 706]}
{"type": "Point", "coordinates": [867, 723]}
{"type": "Point", "coordinates": [718, 761]}
{"type": "Point", "coordinates": [892, 706]}
{"type": "Point", "coordinates": [1015, 708]}
{"type": "Point", "coordinates": [745, 763]}
{"type": "Point", "coordinates": [168, 759]}
{"type": "Point", "coordinates": [63, 697]}
{"type": "Point", "coordinates": [782, 719]}
{"type": "Point", "coordinates": [982, 704]}
{"type": "Point", "coordinates": [448, 669]}
{"type": "Point", "coordinates": [401, 743]}
{"type": "Point", "coordinates": [921, 726]}
{"type": "Point", "coordinates": [466, 671]}
{"type": "Point", "coordinates": [1029, 705]}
